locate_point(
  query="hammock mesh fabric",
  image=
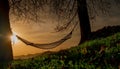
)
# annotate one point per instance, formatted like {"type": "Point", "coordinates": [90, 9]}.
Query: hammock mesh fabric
{"type": "Point", "coordinates": [48, 45]}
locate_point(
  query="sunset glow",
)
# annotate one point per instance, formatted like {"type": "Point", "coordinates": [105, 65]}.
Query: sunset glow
{"type": "Point", "coordinates": [14, 39]}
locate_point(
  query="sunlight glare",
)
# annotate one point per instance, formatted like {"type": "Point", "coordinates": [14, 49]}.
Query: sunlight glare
{"type": "Point", "coordinates": [14, 39]}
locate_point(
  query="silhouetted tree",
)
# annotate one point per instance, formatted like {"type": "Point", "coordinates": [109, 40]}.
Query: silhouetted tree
{"type": "Point", "coordinates": [28, 9]}
{"type": "Point", "coordinates": [84, 19]}
{"type": "Point", "coordinates": [5, 33]}
{"type": "Point", "coordinates": [21, 8]}
{"type": "Point", "coordinates": [87, 10]}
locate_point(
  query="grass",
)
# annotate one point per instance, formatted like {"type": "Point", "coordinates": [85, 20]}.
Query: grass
{"type": "Point", "coordinates": [100, 53]}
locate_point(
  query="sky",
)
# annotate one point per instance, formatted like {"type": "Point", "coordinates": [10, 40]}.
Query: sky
{"type": "Point", "coordinates": [43, 32]}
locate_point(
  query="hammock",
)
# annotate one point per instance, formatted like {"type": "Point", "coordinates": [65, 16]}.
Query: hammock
{"type": "Point", "coordinates": [47, 45]}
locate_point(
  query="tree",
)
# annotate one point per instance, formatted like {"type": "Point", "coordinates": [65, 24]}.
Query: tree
{"type": "Point", "coordinates": [87, 10]}
{"type": "Point", "coordinates": [5, 33]}
{"type": "Point", "coordinates": [19, 8]}
{"type": "Point", "coordinates": [79, 6]}
{"type": "Point", "coordinates": [84, 19]}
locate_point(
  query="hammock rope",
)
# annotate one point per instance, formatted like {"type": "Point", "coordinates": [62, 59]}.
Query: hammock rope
{"type": "Point", "coordinates": [48, 45]}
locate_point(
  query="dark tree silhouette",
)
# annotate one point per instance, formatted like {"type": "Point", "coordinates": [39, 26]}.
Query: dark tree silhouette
{"type": "Point", "coordinates": [18, 8]}
{"type": "Point", "coordinates": [87, 10]}
{"type": "Point", "coordinates": [6, 55]}
{"type": "Point", "coordinates": [5, 33]}
{"type": "Point", "coordinates": [84, 19]}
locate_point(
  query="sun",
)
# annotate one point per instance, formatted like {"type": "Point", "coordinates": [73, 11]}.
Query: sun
{"type": "Point", "coordinates": [14, 39]}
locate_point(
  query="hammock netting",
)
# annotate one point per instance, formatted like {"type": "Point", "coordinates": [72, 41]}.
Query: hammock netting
{"type": "Point", "coordinates": [47, 45]}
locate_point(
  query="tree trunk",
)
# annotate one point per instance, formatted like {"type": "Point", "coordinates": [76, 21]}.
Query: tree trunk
{"type": "Point", "coordinates": [5, 33]}
{"type": "Point", "coordinates": [84, 20]}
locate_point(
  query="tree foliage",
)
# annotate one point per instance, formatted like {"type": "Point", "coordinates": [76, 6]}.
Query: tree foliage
{"type": "Point", "coordinates": [32, 9]}
{"type": "Point", "coordinates": [65, 10]}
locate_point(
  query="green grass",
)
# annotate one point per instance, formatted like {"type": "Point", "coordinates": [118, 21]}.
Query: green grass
{"type": "Point", "coordinates": [101, 53]}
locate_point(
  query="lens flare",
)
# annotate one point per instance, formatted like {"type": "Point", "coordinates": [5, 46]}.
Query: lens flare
{"type": "Point", "coordinates": [14, 39]}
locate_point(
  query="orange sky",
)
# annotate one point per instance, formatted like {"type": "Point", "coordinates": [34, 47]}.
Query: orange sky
{"type": "Point", "coordinates": [41, 33]}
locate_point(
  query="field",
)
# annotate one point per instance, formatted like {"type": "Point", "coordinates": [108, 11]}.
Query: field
{"type": "Point", "coordinates": [100, 53]}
